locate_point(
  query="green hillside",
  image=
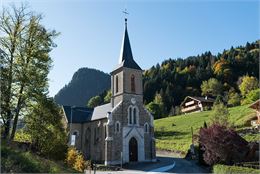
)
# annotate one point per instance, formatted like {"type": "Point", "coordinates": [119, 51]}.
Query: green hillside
{"type": "Point", "coordinates": [174, 133]}
{"type": "Point", "coordinates": [18, 161]}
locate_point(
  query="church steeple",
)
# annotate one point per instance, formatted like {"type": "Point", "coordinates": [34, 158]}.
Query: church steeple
{"type": "Point", "coordinates": [126, 57]}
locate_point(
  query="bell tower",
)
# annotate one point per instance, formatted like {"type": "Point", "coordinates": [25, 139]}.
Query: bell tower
{"type": "Point", "coordinates": [126, 78]}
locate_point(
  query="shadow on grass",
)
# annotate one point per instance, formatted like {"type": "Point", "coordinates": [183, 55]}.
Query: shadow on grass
{"type": "Point", "coordinates": [166, 134]}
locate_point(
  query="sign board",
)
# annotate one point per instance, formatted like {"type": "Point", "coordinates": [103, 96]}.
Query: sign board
{"type": "Point", "coordinates": [73, 140]}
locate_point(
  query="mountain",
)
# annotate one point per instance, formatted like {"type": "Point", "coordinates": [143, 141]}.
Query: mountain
{"type": "Point", "coordinates": [84, 84]}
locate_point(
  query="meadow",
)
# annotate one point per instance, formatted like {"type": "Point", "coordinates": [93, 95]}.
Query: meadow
{"type": "Point", "coordinates": [174, 133]}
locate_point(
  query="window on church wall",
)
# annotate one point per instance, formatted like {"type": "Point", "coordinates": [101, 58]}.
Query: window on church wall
{"type": "Point", "coordinates": [132, 83]}
{"type": "Point", "coordinates": [117, 127]}
{"type": "Point", "coordinates": [146, 128]}
{"type": "Point", "coordinates": [130, 115]}
{"type": "Point", "coordinates": [116, 84]}
{"type": "Point", "coordinates": [134, 116]}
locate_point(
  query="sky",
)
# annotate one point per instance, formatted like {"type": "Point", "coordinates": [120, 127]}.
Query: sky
{"type": "Point", "coordinates": [92, 31]}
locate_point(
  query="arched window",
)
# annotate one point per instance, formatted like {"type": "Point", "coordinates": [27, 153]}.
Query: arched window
{"type": "Point", "coordinates": [130, 121]}
{"type": "Point", "coordinates": [117, 127]}
{"type": "Point", "coordinates": [134, 116]}
{"type": "Point", "coordinates": [132, 83]}
{"type": "Point", "coordinates": [116, 84]}
{"type": "Point", "coordinates": [76, 133]}
{"type": "Point", "coordinates": [146, 128]}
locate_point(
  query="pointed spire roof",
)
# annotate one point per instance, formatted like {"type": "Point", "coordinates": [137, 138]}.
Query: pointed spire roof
{"type": "Point", "coordinates": [126, 57]}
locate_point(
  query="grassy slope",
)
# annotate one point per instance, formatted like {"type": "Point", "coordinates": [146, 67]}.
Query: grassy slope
{"type": "Point", "coordinates": [177, 137]}
{"type": "Point", "coordinates": [14, 160]}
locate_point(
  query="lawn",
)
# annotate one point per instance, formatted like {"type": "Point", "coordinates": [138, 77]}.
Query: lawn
{"type": "Point", "coordinates": [174, 133]}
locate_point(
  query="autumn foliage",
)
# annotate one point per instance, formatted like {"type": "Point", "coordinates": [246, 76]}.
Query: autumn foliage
{"type": "Point", "coordinates": [222, 145]}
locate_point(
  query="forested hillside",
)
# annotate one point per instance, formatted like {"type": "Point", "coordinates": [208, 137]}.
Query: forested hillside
{"type": "Point", "coordinates": [174, 79]}
{"type": "Point", "coordinates": [84, 84]}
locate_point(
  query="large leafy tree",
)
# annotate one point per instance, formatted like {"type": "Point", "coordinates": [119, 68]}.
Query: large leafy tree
{"type": "Point", "coordinates": [211, 87]}
{"type": "Point", "coordinates": [248, 84]}
{"type": "Point", "coordinates": [44, 124]}
{"type": "Point", "coordinates": [94, 101]}
{"type": "Point", "coordinates": [26, 44]}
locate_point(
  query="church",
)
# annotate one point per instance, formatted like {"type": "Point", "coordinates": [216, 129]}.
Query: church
{"type": "Point", "coordinates": [122, 130]}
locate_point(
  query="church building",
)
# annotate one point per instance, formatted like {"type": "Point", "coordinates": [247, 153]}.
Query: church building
{"type": "Point", "coordinates": [121, 130]}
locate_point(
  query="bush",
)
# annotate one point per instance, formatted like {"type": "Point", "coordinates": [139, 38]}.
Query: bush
{"type": "Point", "coordinates": [76, 160]}
{"type": "Point", "coordinates": [22, 136]}
{"type": "Point", "coordinates": [222, 145]}
{"type": "Point", "coordinates": [79, 164]}
{"type": "Point", "coordinates": [71, 156]}
{"type": "Point", "coordinates": [219, 169]}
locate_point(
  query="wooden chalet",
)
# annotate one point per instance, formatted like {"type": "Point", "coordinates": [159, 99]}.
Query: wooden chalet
{"type": "Point", "coordinates": [196, 104]}
{"type": "Point", "coordinates": [256, 106]}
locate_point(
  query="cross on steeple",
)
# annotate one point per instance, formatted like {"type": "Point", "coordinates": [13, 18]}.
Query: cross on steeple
{"type": "Point", "coordinates": [126, 13]}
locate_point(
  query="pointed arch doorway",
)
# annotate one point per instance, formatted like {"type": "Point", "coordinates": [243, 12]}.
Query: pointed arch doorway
{"type": "Point", "coordinates": [133, 150]}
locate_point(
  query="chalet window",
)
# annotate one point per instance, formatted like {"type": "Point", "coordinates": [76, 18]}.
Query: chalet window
{"type": "Point", "coordinates": [116, 84]}
{"type": "Point", "coordinates": [132, 83]}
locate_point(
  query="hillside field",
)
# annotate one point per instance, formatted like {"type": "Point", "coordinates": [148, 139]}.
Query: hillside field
{"type": "Point", "coordinates": [174, 133]}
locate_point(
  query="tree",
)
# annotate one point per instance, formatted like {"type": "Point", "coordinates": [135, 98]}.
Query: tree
{"type": "Point", "coordinates": [154, 108]}
{"type": "Point", "coordinates": [233, 98]}
{"type": "Point", "coordinates": [222, 145]}
{"type": "Point", "coordinates": [27, 45]}
{"type": "Point", "coordinates": [211, 87]}
{"type": "Point", "coordinates": [251, 96]}
{"type": "Point", "coordinates": [44, 124]}
{"type": "Point", "coordinates": [94, 101]}
{"type": "Point", "coordinates": [220, 114]}
{"type": "Point", "coordinates": [248, 84]}
{"type": "Point", "coordinates": [108, 96]}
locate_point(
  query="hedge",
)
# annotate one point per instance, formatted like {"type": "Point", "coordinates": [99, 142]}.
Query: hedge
{"type": "Point", "coordinates": [224, 169]}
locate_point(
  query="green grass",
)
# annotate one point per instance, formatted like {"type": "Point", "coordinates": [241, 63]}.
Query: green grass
{"type": "Point", "coordinates": [14, 160]}
{"type": "Point", "coordinates": [174, 133]}
{"type": "Point", "coordinates": [220, 169]}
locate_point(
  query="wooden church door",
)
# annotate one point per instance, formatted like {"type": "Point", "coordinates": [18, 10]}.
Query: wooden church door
{"type": "Point", "coordinates": [133, 150]}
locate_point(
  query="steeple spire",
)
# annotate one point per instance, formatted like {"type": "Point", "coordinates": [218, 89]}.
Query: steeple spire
{"type": "Point", "coordinates": [126, 56]}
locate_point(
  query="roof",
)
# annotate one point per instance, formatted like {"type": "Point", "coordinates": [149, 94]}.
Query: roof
{"type": "Point", "coordinates": [78, 114]}
{"type": "Point", "coordinates": [84, 114]}
{"type": "Point", "coordinates": [255, 105]}
{"type": "Point", "coordinates": [126, 57]}
{"type": "Point", "coordinates": [101, 111]}
{"type": "Point", "coordinates": [201, 99]}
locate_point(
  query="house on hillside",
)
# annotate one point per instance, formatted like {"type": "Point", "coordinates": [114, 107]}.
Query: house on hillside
{"type": "Point", "coordinates": [256, 106]}
{"type": "Point", "coordinates": [196, 104]}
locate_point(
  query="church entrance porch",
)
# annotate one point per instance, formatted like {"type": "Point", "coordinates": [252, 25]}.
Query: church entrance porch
{"type": "Point", "coordinates": [133, 150]}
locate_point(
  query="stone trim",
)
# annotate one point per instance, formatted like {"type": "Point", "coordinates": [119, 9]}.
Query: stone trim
{"type": "Point", "coordinates": [138, 134]}
{"type": "Point", "coordinates": [109, 139]}
{"type": "Point", "coordinates": [151, 116]}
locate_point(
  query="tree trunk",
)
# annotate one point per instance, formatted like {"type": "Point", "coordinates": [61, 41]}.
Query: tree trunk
{"type": "Point", "coordinates": [18, 108]}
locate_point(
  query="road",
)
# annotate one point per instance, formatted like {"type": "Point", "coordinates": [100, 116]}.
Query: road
{"type": "Point", "coordinates": [165, 164]}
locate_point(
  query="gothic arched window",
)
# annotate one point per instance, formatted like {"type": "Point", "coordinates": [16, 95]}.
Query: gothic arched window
{"type": "Point", "coordinates": [117, 127]}
{"type": "Point", "coordinates": [146, 128]}
{"type": "Point", "coordinates": [130, 115]}
{"type": "Point", "coordinates": [134, 116]}
{"type": "Point", "coordinates": [132, 83]}
{"type": "Point", "coordinates": [116, 84]}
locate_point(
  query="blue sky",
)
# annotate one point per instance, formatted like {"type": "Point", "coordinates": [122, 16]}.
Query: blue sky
{"type": "Point", "coordinates": [91, 31]}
